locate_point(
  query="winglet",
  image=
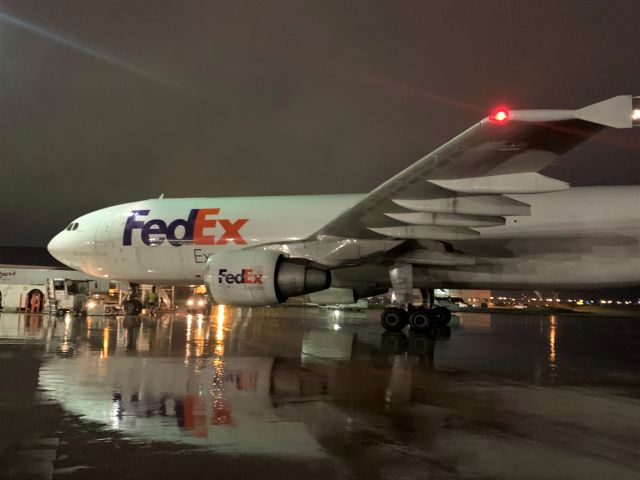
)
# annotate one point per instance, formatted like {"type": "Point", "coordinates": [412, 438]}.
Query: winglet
{"type": "Point", "coordinates": [617, 112]}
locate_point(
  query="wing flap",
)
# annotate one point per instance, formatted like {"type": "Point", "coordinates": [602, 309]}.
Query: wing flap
{"type": "Point", "coordinates": [422, 232]}
{"type": "Point", "coordinates": [490, 205]}
{"type": "Point", "coordinates": [447, 219]}
{"type": "Point", "coordinates": [528, 182]}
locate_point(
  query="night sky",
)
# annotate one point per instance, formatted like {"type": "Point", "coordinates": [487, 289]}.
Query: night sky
{"type": "Point", "coordinates": [105, 102]}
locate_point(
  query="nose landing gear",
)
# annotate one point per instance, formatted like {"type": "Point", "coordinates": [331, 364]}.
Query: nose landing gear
{"type": "Point", "coordinates": [132, 307]}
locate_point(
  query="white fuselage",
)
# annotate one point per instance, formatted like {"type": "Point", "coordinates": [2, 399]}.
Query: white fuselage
{"type": "Point", "coordinates": [586, 236]}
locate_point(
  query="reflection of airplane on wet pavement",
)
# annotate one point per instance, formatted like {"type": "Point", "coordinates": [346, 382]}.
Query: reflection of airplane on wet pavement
{"type": "Point", "coordinates": [285, 383]}
{"type": "Point", "coordinates": [201, 392]}
{"type": "Point", "coordinates": [476, 212]}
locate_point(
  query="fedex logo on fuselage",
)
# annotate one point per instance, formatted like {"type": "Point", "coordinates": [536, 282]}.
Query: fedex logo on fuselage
{"type": "Point", "coordinates": [196, 229]}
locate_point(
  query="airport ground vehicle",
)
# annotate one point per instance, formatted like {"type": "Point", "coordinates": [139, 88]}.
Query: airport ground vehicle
{"type": "Point", "coordinates": [102, 304]}
{"type": "Point", "coordinates": [199, 303]}
{"type": "Point", "coordinates": [67, 295]}
{"type": "Point", "coordinates": [474, 213]}
{"type": "Point", "coordinates": [453, 304]}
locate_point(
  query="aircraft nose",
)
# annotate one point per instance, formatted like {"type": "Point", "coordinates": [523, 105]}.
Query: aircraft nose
{"type": "Point", "coordinates": [56, 248]}
{"type": "Point", "coordinates": [64, 248]}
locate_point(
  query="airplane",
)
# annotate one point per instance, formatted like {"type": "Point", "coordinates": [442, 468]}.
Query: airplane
{"type": "Point", "coordinates": [474, 213]}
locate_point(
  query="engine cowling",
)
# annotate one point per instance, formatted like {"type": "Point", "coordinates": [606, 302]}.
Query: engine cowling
{"type": "Point", "coordinates": [333, 296]}
{"type": "Point", "coordinates": [259, 277]}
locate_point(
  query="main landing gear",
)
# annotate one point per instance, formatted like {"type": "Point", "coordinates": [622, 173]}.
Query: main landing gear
{"type": "Point", "coordinates": [420, 319]}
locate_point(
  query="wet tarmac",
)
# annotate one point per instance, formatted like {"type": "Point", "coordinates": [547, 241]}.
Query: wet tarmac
{"type": "Point", "coordinates": [308, 393]}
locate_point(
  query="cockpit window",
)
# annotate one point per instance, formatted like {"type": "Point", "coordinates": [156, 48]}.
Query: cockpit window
{"type": "Point", "coordinates": [75, 226]}
{"type": "Point", "coordinates": [69, 227]}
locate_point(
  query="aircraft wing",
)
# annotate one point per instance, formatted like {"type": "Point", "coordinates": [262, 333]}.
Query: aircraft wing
{"type": "Point", "coordinates": [457, 189]}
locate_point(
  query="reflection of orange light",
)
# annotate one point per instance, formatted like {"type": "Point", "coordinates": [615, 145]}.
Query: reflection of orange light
{"type": "Point", "coordinates": [552, 341]}
{"type": "Point", "coordinates": [199, 338]}
{"type": "Point", "coordinates": [220, 323]}
{"type": "Point", "coordinates": [105, 342]}
{"type": "Point", "coordinates": [189, 318]}
{"type": "Point", "coordinates": [221, 415]}
{"type": "Point", "coordinates": [187, 352]}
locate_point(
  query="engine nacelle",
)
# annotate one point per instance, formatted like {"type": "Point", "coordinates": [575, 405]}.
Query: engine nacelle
{"type": "Point", "coordinates": [259, 278]}
{"type": "Point", "coordinates": [333, 296]}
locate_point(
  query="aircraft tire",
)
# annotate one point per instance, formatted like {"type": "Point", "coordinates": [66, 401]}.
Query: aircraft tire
{"type": "Point", "coordinates": [393, 319]}
{"type": "Point", "coordinates": [129, 307]}
{"type": "Point", "coordinates": [421, 320]}
{"type": "Point", "coordinates": [60, 312]}
{"type": "Point", "coordinates": [441, 316]}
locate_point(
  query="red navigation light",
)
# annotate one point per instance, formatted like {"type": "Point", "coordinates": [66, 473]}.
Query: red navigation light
{"type": "Point", "coordinates": [500, 115]}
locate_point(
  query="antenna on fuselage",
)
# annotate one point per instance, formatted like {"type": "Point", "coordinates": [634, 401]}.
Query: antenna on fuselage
{"type": "Point", "coordinates": [161, 196]}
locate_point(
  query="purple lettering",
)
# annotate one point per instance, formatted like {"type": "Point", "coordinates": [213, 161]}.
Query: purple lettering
{"type": "Point", "coordinates": [133, 224]}
{"type": "Point", "coordinates": [153, 227]}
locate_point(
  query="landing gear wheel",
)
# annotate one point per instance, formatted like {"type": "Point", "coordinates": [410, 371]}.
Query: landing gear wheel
{"type": "Point", "coordinates": [128, 307]}
{"type": "Point", "coordinates": [441, 316]}
{"type": "Point", "coordinates": [60, 312]}
{"type": "Point", "coordinates": [393, 319]}
{"type": "Point", "coordinates": [421, 320]}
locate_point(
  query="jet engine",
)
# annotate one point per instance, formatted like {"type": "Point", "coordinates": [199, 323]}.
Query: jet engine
{"type": "Point", "coordinates": [259, 277]}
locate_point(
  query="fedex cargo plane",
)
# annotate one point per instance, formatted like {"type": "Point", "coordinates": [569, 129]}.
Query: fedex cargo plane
{"type": "Point", "coordinates": [474, 213]}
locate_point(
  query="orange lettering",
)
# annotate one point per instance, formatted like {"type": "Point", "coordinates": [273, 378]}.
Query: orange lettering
{"type": "Point", "coordinates": [199, 238]}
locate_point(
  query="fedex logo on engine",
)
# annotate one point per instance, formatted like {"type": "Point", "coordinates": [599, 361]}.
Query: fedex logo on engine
{"type": "Point", "coordinates": [246, 276]}
{"type": "Point", "coordinates": [199, 228]}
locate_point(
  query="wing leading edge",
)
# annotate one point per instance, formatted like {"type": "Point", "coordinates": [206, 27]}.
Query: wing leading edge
{"type": "Point", "coordinates": [457, 189]}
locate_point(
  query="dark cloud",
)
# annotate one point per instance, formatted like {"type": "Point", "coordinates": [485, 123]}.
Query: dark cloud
{"type": "Point", "coordinates": [104, 102]}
